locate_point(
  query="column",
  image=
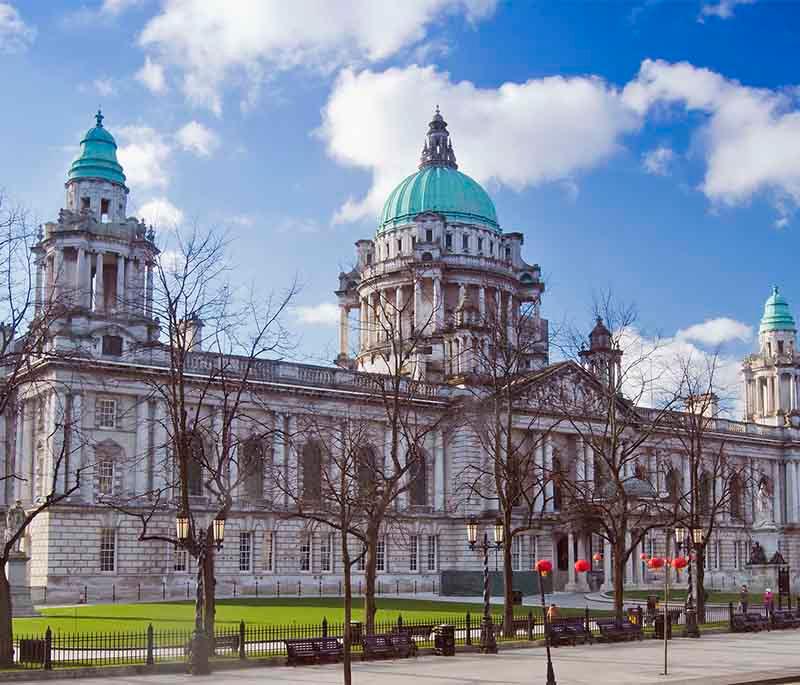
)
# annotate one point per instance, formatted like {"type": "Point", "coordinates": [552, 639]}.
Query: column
{"type": "Point", "coordinates": [20, 466]}
{"type": "Point", "coordinates": [99, 302]}
{"type": "Point", "coordinates": [777, 492]}
{"type": "Point", "coordinates": [120, 303]}
{"type": "Point", "coordinates": [590, 467]}
{"type": "Point", "coordinates": [38, 299]}
{"type": "Point", "coordinates": [148, 305]}
{"type": "Point", "coordinates": [583, 553]}
{"type": "Point", "coordinates": [362, 324]}
{"type": "Point", "coordinates": [580, 460]}
{"type": "Point", "coordinates": [538, 463]}
{"type": "Point", "coordinates": [571, 584]}
{"type": "Point", "coordinates": [344, 331]}
{"type": "Point", "coordinates": [608, 583]}
{"type": "Point", "coordinates": [56, 459]}
{"type": "Point", "coordinates": [141, 451]}
{"type": "Point", "coordinates": [398, 314]}
{"type": "Point", "coordinates": [370, 321]}
{"type": "Point", "coordinates": [161, 466]}
{"type": "Point", "coordinates": [438, 304]}
{"type": "Point", "coordinates": [59, 280]}
{"type": "Point", "coordinates": [482, 303]}
{"type": "Point", "coordinates": [629, 565]}
{"type": "Point", "coordinates": [687, 481]}
{"type": "Point", "coordinates": [417, 305]}
{"type": "Point", "coordinates": [438, 471]}
{"type": "Point", "coordinates": [548, 467]}
{"type": "Point", "coordinates": [80, 280]}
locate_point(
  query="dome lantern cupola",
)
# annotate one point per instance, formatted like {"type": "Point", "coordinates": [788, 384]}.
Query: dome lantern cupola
{"type": "Point", "coordinates": [777, 315]}
{"type": "Point", "coordinates": [438, 149]}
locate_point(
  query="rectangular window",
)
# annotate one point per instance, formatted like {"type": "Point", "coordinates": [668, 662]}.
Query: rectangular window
{"type": "Point", "coordinates": [105, 205]}
{"type": "Point", "coordinates": [432, 539]}
{"type": "Point", "coordinates": [380, 555]}
{"type": "Point", "coordinates": [717, 555]}
{"type": "Point", "coordinates": [245, 551]}
{"type": "Point", "coordinates": [428, 235]}
{"type": "Point", "coordinates": [413, 564]}
{"type": "Point", "coordinates": [448, 241]}
{"type": "Point", "coordinates": [105, 477]}
{"type": "Point", "coordinates": [305, 553]}
{"type": "Point", "coordinates": [780, 346]}
{"type": "Point", "coordinates": [112, 345]}
{"type": "Point", "coordinates": [532, 550]}
{"type": "Point", "coordinates": [106, 411]}
{"type": "Point", "coordinates": [399, 246]}
{"type": "Point", "coordinates": [491, 248]}
{"type": "Point", "coordinates": [480, 244]}
{"type": "Point", "coordinates": [269, 551]}
{"type": "Point", "coordinates": [516, 553]}
{"type": "Point", "coordinates": [86, 203]}
{"type": "Point", "coordinates": [465, 242]}
{"type": "Point", "coordinates": [413, 242]}
{"type": "Point", "coordinates": [108, 549]}
{"type": "Point", "coordinates": [508, 253]}
{"type": "Point", "coordinates": [739, 554]}
{"type": "Point", "coordinates": [326, 553]}
{"type": "Point", "coordinates": [180, 560]}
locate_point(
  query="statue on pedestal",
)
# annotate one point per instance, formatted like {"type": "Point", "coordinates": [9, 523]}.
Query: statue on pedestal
{"type": "Point", "coordinates": [764, 517]}
{"type": "Point", "coordinates": [15, 519]}
{"type": "Point", "coordinates": [757, 554]}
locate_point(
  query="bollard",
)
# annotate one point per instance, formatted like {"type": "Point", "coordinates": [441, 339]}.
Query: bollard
{"type": "Point", "coordinates": [187, 589]}
{"type": "Point", "coordinates": [397, 587]}
{"type": "Point", "coordinates": [340, 588]}
{"type": "Point", "coordinates": [150, 660]}
{"type": "Point", "coordinates": [415, 587]}
{"type": "Point", "coordinates": [320, 588]}
{"type": "Point", "coordinates": [113, 593]}
{"type": "Point", "coordinates": [163, 589]}
{"type": "Point", "coordinates": [468, 639]}
{"type": "Point", "coordinates": [730, 615]}
{"type": "Point", "coordinates": [45, 596]}
{"type": "Point", "coordinates": [359, 587]}
{"type": "Point", "coordinates": [48, 649]}
{"type": "Point", "coordinates": [242, 654]}
{"type": "Point", "coordinates": [324, 627]}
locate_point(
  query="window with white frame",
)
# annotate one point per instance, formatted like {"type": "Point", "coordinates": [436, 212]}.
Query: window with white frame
{"type": "Point", "coordinates": [739, 554]}
{"type": "Point", "coordinates": [516, 552]}
{"type": "Point", "coordinates": [245, 551]}
{"type": "Point", "coordinates": [413, 559]}
{"type": "Point", "coordinates": [432, 552]}
{"type": "Point", "coordinates": [108, 549]}
{"type": "Point", "coordinates": [106, 413]}
{"type": "Point", "coordinates": [305, 553]}
{"type": "Point", "coordinates": [105, 477]}
{"type": "Point", "coordinates": [180, 559]}
{"type": "Point", "coordinates": [717, 555]}
{"type": "Point", "coordinates": [531, 550]}
{"type": "Point", "coordinates": [326, 553]}
{"type": "Point", "coordinates": [269, 551]}
{"type": "Point", "coordinates": [380, 555]}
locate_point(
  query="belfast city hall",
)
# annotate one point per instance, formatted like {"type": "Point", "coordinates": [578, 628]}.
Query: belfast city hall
{"type": "Point", "coordinates": [440, 277]}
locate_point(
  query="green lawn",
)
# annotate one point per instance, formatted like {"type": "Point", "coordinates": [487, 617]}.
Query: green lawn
{"type": "Point", "coordinates": [680, 595]}
{"type": "Point", "coordinates": [107, 618]}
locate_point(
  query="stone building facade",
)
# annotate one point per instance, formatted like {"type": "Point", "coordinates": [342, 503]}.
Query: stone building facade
{"type": "Point", "coordinates": [438, 268]}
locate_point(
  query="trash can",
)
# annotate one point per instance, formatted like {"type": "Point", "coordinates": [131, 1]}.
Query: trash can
{"type": "Point", "coordinates": [444, 642]}
{"type": "Point", "coordinates": [516, 597]}
{"type": "Point", "coordinates": [659, 626]}
{"type": "Point", "coordinates": [356, 631]}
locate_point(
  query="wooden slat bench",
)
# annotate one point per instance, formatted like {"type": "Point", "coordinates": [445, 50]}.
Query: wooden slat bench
{"type": "Point", "coordinates": [300, 650]}
{"type": "Point", "coordinates": [611, 631]}
{"type": "Point", "coordinates": [577, 626]}
{"type": "Point", "coordinates": [328, 648]}
{"type": "Point", "coordinates": [561, 634]}
{"type": "Point", "coordinates": [784, 618]}
{"type": "Point", "coordinates": [377, 646]}
{"type": "Point", "coordinates": [403, 644]}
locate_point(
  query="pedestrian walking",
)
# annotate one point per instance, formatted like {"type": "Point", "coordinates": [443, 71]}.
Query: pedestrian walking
{"type": "Point", "coordinates": [744, 598]}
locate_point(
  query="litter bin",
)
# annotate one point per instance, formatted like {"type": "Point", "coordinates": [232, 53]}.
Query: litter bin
{"type": "Point", "coordinates": [516, 597]}
{"type": "Point", "coordinates": [444, 642]}
{"type": "Point", "coordinates": [356, 631]}
{"type": "Point", "coordinates": [659, 626]}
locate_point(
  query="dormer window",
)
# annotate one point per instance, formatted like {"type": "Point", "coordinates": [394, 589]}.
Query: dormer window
{"type": "Point", "coordinates": [105, 206]}
{"type": "Point", "coordinates": [86, 204]}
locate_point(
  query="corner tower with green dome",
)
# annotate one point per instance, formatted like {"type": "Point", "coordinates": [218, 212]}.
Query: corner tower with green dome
{"type": "Point", "coordinates": [772, 376]}
{"type": "Point", "coordinates": [441, 274]}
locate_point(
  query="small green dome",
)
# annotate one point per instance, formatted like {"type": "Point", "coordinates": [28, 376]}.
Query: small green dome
{"type": "Point", "coordinates": [438, 186]}
{"type": "Point", "coordinates": [777, 316]}
{"type": "Point", "coordinates": [439, 189]}
{"type": "Point", "coordinates": [98, 156]}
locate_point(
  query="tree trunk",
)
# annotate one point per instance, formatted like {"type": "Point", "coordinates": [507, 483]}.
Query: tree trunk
{"type": "Point", "coordinates": [370, 574]}
{"type": "Point", "coordinates": [209, 591]}
{"type": "Point", "coordinates": [6, 625]}
{"type": "Point", "coordinates": [618, 569]}
{"type": "Point", "coordinates": [348, 611]}
{"type": "Point", "coordinates": [508, 587]}
{"type": "Point", "coordinates": [700, 581]}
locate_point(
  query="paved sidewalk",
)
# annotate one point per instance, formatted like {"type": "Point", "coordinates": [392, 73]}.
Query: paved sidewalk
{"type": "Point", "coordinates": [723, 659]}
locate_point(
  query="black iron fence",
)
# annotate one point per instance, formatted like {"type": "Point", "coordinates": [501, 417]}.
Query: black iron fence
{"type": "Point", "coordinates": [55, 649]}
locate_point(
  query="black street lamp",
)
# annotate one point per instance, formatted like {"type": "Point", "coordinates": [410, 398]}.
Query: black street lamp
{"type": "Point", "coordinates": [199, 659]}
{"type": "Point", "coordinates": [691, 537]}
{"type": "Point", "coordinates": [543, 568]}
{"type": "Point", "coordinates": [488, 643]}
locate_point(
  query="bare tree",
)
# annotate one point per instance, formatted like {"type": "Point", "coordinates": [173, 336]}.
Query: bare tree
{"type": "Point", "coordinates": [213, 348]}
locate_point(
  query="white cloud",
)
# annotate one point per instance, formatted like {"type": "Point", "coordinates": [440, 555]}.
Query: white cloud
{"type": "Point", "coordinates": [214, 44]}
{"type": "Point", "coordinates": [198, 139]}
{"type": "Point", "coordinates": [717, 331]}
{"type": "Point", "coordinates": [15, 34]}
{"type": "Point", "coordinates": [750, 140]}
{"type": "Point", "coordinates": [160, 212]}
{"type": "Point", "coordinates": [143, 156]}
{"type": "Point", "coordinates": [658, 160]}
{"type": "Point", "coordinates": [118, 6]}
{"type": "Point", "coordinates": [723, 9]}
{"type": "Point", "coordinates": [152, 76]}
{"type": "Point", "coordinates": [323, 314]}
{"type": "Point", "coordinates": [104, 86]}
{"type": "Point", "coordinates": [519, 134]}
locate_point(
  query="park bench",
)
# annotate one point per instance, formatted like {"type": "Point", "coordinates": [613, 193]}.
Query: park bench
{"type": "Point", "coordinates": [328, 648]}
{"type": "Point", "coordinates": [377, 646]}
{"type": "Point", "coordinates": [403, 644]}
{"type": "Point", "coordinates": [749, 623]}
{"type": "Point", "coordinates": [561, 634]}
{"type": "Point", "coordinates": [577, 626]}
{"type": "Point", "coordinates": [300, 650]}
{"type": "Point", "coordinates": [633, 631]}
{"type": "Point", "coordinates": [220, 642]}
{"type": "Point", "coordinates": [611, 631]}
{"type": "Point", "coordinates": [758, 621]}
{"type": "Point", "coordinates": [784, 618]}
{"type": "Point", "coordinates": [422, 630]}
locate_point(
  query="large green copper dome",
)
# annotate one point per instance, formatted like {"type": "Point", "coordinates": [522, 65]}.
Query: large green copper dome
{"type": "Point", "coordinates": [98, 156]}
{"type": "Point", "coordinates": [777, 316]}
{"type": "Point", "coordinates": [438, 186]}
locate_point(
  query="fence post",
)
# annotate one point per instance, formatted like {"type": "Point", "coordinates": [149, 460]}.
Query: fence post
{"type": "Point", "coordinates": [468, 639]}
{"type": "Point", "coordinates": [113, 593]}
{"type": "Point", "coordinates": [586, 612]}
{"type": "Point", "coordinates": [415, 586]}
{"type": "Point", "coordinates": [256, 587]}
{"type": "Point", "coordinates": [150, 659]}
{"type": "Point", "coordinates": [324, 627]}
{"type": "Point", "coordinates": [530, 625]}
{"type": "Point", "coordinates": [45, 597]}
{"type": "Point", "coordinates": [299, 589]}
{"type": "Point", "coordinates": [187, 589]}
{"type": "Point", "coordinates": [359, 587]}
{"type": "Point", "coordinates": [399, 620]}
{"type": "Point", "coordinates": [279, 588]}
{"type": "Point", "coordinates": [340, 588]}
{"type": "Point", "coordinates": [320, 588]}
{"type": "Point", "coordinates": [163, 589]}
{"type": "Point", "coordinates": [397, 587]}
{"type": "Point", "coordinates": [730, 615]}
{"type": "Point", "coordinates": [234, 589]}
{"type": "Point", "coordinates": [242, 654]}
{"type": "Point", "coordinates": [48, 648]}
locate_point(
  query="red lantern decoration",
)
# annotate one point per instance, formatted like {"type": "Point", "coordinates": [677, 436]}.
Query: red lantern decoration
{"type": "Point", "coordinates": [643, 556]}
{"type": "Point", "coordinates": [543, 566]}
{"type": "Point", "coordinates": [655, 563]}
{"type": "Point", "coordinates": [582, 566]}
{"type": "Point", "coordinates": [597, 556]}
{"type": "Point", "coordinates": [679, 562]}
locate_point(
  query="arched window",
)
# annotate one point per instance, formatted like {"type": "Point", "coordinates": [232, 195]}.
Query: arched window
{"type": "Point", "coordinates": [736, 497]}
{"type": "Point", "coordinates": [704, 492]}
{"type": "Point", "coordinates": [311, 472]}
{"type": "Point", "coordinates": [194, 465]}
{"type": "Point", "coordinates": [252, 468]}
{"type": "Point", "coordinates": [639, 471]}
{"type": "Point", "coordinates": [673, 484]}
{"type": "Point", "coordinates": [418, 473]}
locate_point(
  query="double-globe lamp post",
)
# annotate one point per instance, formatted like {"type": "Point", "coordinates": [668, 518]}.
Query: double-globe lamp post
{"type": "Point", "coordinates": [488, 643]}
{"type": "Point", "coordinates": [693, 538]}
{"type": "Point", "coordinates": [199, 659]}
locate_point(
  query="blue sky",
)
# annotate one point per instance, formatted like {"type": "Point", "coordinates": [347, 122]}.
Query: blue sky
{"type": "Point", "coordinates": [651, 148]}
